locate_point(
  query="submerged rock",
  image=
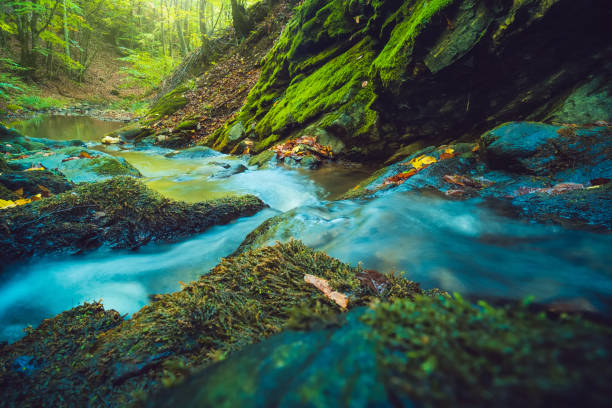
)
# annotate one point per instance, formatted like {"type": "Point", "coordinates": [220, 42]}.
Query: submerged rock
{"type": "Point", "coordinates": [121, 213]}
{"type": "Point", "coordinates": [197, 152]}
{"type": "Point", "coordinates": [78, 164]}
{"type": "Point", "coordinates": [70, 158]}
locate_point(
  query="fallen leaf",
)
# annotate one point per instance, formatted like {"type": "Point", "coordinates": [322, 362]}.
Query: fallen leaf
{"type": "Point", "coordinates": [45, 191]}
{"type": "Point", "coordinates": [19, 192]}
{"type": "Point", "coordinates": [455, 193]}
{"type": "Point", "coordinates": [400, 178]}
{"type": "Point", "coordinates": [463, 181]}
{"type": "Point", "coordinates": [36, 168]}
{"type": "Point", "coordinates": [67, 159]}
{"type": "Point", "coordinates": [447, 154]}
{"type": "Point", "coordinates": [364, 84]}
{"type": "Point", "coordinates": [421, 162]}
{"type": "Point", "coordinates": [85, 155]}
{"type": "Point", "coordinates": [323, 285]}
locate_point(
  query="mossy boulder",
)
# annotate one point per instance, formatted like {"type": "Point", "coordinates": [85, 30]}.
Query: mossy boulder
{"type": "Point", "coordinates": [170, 103]}
{"type": "Point", "coordinates": [426, 351]}
{"type": "Point", "coordinates": [241, 301]}
{"type": "Point", "coordinates": [381, 75]}
{"type": "Point", "coordinates": [120, 213]}
{"type": "Point", "coordinates": [134, 131]}
{"type": "Point", "coordinates": [262, 159]}
{"type": "Point", "coordinates": [78, 164]}
{"type": "Point", "coordinates": [34, 182]}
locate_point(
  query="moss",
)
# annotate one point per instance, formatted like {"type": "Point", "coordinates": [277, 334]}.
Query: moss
{"type": "Point", "coordinates": [392, 61]}
{"type": "Point", "coordinates": [329, 87]}
{"type": "Point", "coordinates": [171, 102]}
{"type": "Point", "coordinates": [241, 301]}
{"type": "Point", "coordinates": [3, 164]}
{"type": "Point", "coordinates": [187, 125]}
{"type": "Point", "coordinates": [267, 142]}
{"type": "Point", "coordinates": [449, 352]}
{"type": "Point", "coordinates": [6, 194]}
{"type": "Point", "coordinates": [361, 189]}
{"type": "Point", "coordinates": [121, 212]}
{"type": "Point", "coordinates": [111, 166]}
{"type": "Point", "coordinates": [262, 158]}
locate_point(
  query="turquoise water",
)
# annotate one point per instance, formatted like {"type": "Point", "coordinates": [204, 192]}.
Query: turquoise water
{"type": "Point", "coordinates": [458, 246]}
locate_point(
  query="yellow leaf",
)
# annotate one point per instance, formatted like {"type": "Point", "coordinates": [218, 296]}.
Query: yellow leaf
{"type": "Point", "coordinates": [6, 204]}
{"type": "Point", "coordinates": [35, 168]}
{"type": "Point", "coordinates": [23, 201]}
{"type": "Point", "coordinates": [422, 161]}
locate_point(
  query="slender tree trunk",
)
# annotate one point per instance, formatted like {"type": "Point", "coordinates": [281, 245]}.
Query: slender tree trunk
{"type": "Point", "coordinates": [66, 36]}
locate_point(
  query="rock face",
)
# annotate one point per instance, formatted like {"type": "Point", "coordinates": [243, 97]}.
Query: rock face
{"type": "Point", "coordinates": [561, 174]}
{"type": "Point", "coordinates": [121, 213]}
{"type": "Point", "coordinates": [384, 75]}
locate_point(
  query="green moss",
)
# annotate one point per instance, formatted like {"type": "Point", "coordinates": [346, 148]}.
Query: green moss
{"type": "Point", "coordinates": [111, 166]}
{"type": "Point", "coordinates": [171, 102]}
{"type": "Point", "coordinates": [7, 194]}
{"type": "Point", "coordinates": [241, 301]}
{"type": "Point", "coordinates": [121, 212]}
{"type": "Point", "coordinates": [361, 189]}
{"type": "Point", "coordinates": [264, 144]}
{"type": "Point", "coordinates": [187, 125]}
{"type": "Point", "coordinates": [392, 61]}
{"type": "Point", "coordinates": [328, 88]}
{"type": "Point", "coordinates": [449, 352]}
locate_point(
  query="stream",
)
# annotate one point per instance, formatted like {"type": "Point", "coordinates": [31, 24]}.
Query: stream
{"type": "Point", "coordinates": [456, 245]}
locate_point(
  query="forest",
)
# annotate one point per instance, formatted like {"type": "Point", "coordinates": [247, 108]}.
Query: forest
{"type": "Point", "coordinates": [247, 203]}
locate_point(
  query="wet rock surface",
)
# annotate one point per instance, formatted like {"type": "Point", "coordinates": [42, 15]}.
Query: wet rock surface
{"type": "Point", "coordinates": [71, 158]}
{"type": "Point", "coordinates": [547, 173]}
{"type": "Point", "coordinates": [120, 213]}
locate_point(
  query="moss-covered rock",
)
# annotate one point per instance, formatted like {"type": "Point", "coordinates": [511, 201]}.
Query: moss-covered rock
{"type": "Point", "coordinates": [78, 164]}
{"type": "Point", "coordinates": [35, 182]}
{"type": "Point", "coordinates": [382, 75]}
{"type": "Point", "coordinates": [427, 351]}
{"type": "Point", "coordinates": [171, 102]}
{"type": "Point", "coordinates": [121, 213]}
{"type": "Point", "coordinates": [241, 301]}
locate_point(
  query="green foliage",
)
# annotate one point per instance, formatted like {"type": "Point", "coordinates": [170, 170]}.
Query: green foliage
{"type": "Point", "coordinates": [443, 352]}
{"type": "Point", "coordinates": [146, 70]}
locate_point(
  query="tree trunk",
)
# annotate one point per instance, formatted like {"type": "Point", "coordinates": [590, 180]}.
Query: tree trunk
{"type": "Point", "coordinates": [66, 36]}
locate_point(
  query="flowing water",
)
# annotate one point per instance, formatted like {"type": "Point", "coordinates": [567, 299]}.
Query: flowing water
{"type": "Point", "coordinates": [458, 246]}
